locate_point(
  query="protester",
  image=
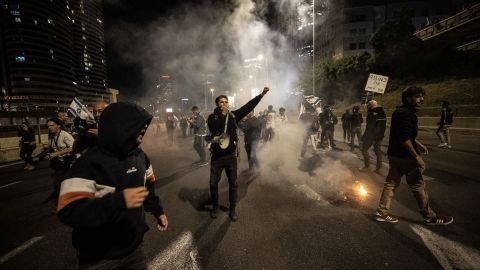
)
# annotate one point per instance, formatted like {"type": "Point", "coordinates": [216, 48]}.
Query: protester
{"type": "Point", "coordinates": [404, 153]}
{"type": "Point", "coordinates": [60, 147]}
{"type": "Point", "coordinates": [222, 124]}
{"type": "Point", "coordinates": [184, 125]}
{"type": "Point", "coordinates": [27, 144]}
{"type": "Point", "coordinates": [310, 121]}
{"type": "Point", "coordinates": [328, 120]}
{"type": "Point", "coordinates": [346, 126]}
{"type": "Point", "coordinates": [87, 133]}
{"type": "Point", "coordinates": [282, 117]}
{"type": "Point", "coordinates": [446, 120]}
{"type": "Point", "coordinates": [374, 133]}
{"type": "Point", "coordinates": [63, 116]}
{"type": "Point", "coordinates": [252, 128]}
{"type": "Point", "coordinates": [198, 125]}
{"type": "Point", "coordinates": [107, 190]}
{"type": "Point", "coordinates": [356, 120]}
{"type": "Point", "coordinates": [270, 118]}
{"type": "Point", "coordinates": [171, 125]}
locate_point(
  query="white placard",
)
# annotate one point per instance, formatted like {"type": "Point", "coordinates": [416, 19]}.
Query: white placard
{"type": "Point", "coordinates": [376, 83]}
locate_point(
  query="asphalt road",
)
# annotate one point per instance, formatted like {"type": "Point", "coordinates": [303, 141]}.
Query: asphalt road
{"type": "Point", "coordinates": [293, 215]}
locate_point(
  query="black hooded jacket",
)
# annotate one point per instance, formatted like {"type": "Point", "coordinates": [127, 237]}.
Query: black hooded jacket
{"type": "Point", "coordinates": [376, 125]}
{"type": "Point", "coordinates": [91, 198]}
{"type": "Point", "coordinates": [216, 125]}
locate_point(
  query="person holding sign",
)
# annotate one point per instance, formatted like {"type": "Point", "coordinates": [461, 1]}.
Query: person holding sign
{"type": "Point", "coordinates": [222, 124]}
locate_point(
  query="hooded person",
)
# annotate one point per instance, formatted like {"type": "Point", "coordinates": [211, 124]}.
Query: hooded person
{"type": "Point", "coordinates": [374, 133]}
{"type": "Point", "coordinates": [107, 191]}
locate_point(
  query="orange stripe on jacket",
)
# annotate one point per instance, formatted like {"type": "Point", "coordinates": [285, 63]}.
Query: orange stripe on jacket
{"type": "Point", "coordinates": [67, 198]}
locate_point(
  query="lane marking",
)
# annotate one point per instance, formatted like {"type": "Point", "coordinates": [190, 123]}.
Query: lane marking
{"type": "Point", "coordinates": [11, 184]}
{"type": "Point", "coordinates": [450, 254]}
{"type": "Point", "coordinates": [20, 249]}
{"type": "Point", "coordinates": [11, 164]}
{"type": "Point", "coordinates": [181, 254]}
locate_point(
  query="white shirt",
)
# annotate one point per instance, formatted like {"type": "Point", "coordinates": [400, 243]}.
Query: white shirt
{"type": "Point", "coordinates": [62, 141]}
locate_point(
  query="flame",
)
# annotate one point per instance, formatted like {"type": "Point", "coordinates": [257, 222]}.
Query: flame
{"type": "Point", "coordinates": [362, 191]}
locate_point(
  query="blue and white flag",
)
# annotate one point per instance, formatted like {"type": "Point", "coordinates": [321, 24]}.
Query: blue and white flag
{"type": "Point", "coordinates": [77, 109]}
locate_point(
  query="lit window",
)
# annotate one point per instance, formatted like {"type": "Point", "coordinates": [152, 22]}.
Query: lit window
{"type": "Point", "coordinates": [84, 38]}
{"type": "Point", "coordinates": [17, 19]}
{"type": "Point", "coordinates": [99, 21]}
{"type": "Point", "coordinates": [51, 50]}
{"type": "Point", "coordinates": [27, 79]}
{"type": "Point", "coordinates": [87, 68]}
{"type": "Point", "coordinates": [49, 21]}
{"type": "Point", "coordinates": [20, 58]}
{"type": "Point", "coordinates": [73, 21]}
{"type": "Point", "coordinates": [68, 7]}
{"type": "Point", "coordinates": [35, 22]}
{"type": "Point", "coordinates": [15, 12]}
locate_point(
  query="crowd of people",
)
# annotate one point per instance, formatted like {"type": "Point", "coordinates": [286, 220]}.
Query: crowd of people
{"type": "Point", "coordinates": [103, 182]}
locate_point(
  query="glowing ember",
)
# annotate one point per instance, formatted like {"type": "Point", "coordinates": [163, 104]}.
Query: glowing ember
{"type": "Point", "coordinates": [362, 191]}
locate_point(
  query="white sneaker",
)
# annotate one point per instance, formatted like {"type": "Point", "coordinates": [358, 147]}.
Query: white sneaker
{"type": "Point", "coordinates": [442, 145]}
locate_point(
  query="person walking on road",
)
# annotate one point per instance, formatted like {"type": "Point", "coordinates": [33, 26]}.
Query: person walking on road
{"type": "Point", "coordinates": [198, 125]}
{"type": "Point", "coordinates": [108, 190]}
{"type": "Point", "coordinates": [374, 133]}
{"type": "Point", "coordinates": [404, 153]}
{"type": "Point", "coordinates": [446, 120]}
{"type": "Point", "coordinates": [170, 125]}
{"type": "Point", "coordinates": [252, 128]}
{"type": "Point", "coordinates": [356, 120]}
{"type": "Point", "coordinates": [27, 144]}
{"type": "Point", "coordinates": [346, 125]}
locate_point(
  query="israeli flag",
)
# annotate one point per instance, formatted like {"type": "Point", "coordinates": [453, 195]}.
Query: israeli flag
{"type": "Point", "coordinates": [77, 109]}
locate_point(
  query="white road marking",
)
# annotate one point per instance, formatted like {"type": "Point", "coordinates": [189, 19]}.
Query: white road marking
{"type": "Point", "coordinates": [11, 184]}
{"type": "Point", "coordinates": [311, 194]}
{"type": "Point", "coordinates": [181, 254]}
{"type": "Point", "coordinates": [20, 249]}
{"type": "Point", "coordinates": [10, 164]}
{"type": "Point", "coordinates": [450, 254]}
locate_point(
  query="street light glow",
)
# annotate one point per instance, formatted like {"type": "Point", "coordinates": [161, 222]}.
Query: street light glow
{"type": "Point", "coordinates": [260, 57]}
{"type": "Point", "coordinates": [211, 90]}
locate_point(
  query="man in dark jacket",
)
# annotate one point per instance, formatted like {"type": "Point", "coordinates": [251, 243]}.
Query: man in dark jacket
{"type": "Point", "coordinates": [404, 155]}
{"type": "Point", "coordinates": [107, 190]}
{"type": "Point", "coordinates": [356, 120]}
{"type": "Point", "coordinates": [328, 120]}
{"type": "Point", "coordinates": [374, 133]}
{"type": "Point", "coordinates": [252, 128]}
{"type": "Point", "coordinates": [346, 125]}
{"type": "Point", "coordinates": [443, 131]}
{"type": "Point", "coordinates": [27, 144]}
{"type": "Point", "coordinates": [197, 124]}
{"type": "Point", "coordinates": [222, 124]}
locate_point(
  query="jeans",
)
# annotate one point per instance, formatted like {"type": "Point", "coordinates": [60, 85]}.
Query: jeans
{"type": "Point", "coordinates": [328, 132]}
{"type": "Point", "coordinates": [356, 131]}
{"type": "Point", "coordinates": [26, 151]}
{"type": "Point", "coordinates": [229, 163]}
{"type": "Point", "coordinates": [135, 260]}
{"type": "Point", "coordinates": [409, 167]}
{"type": "Point", "coordinates": [346, 132]}
{"type": "Point", "coordinates": [376, 149]}
{"type": "Point", "coordinates": [443, 133]}
{"type": "Point", "coordinates": [199, 146]}
{"type": "Point", "coordinates": [251, 149]}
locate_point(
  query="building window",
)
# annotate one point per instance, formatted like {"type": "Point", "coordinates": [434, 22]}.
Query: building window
{"type": "Point", "coordinates": [353, 32]}
{"type": "Point", "coordinates": [361, 45]}
{"type": "Point", "coordinates": [362, 31]}
{"type": "Point", "coordinates": [49, 21]}
{"type": "Point", "coordinates": [15, 12]}
{"type": "Point", "coordinates": [84, 38]}
{"type": "Point", "coordinates": [20, 58]}
{"type": "Point", "coordinates": [352, 46]}
{"type": "Point", "coordinates": [18, 20]}
{"type": "Point", "coordinates": [35, 22]}
{"type": "Point", "coordinates": [27, 79]}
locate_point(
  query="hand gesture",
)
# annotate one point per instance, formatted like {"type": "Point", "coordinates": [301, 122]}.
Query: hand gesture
{"type": "Point", "coordinates": [265, 90]}
{"type": "Point", "coordinates": [163, 223]}
{"type": "Point", "coordinates": [134, 197]}
{"type": "Point", "coordinates": [423, 149]}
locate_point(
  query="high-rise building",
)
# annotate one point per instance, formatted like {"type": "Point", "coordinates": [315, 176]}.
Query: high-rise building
{"type": "Point", "coordinates": [51, 51]}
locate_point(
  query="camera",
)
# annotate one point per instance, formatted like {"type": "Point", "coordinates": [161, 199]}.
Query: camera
{"type": "Point", "coordinates": [42, 155]}
{"type": "Point", "coordinates": [82, 125]}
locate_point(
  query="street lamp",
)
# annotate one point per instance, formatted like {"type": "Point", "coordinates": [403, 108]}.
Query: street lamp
{"type": "Point", "coordinates": [211, 91]}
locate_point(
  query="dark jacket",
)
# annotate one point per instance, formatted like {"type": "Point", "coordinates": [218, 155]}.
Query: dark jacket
{"type": "Point", "coordinates": [26, 136]}
{"type": "Point", "coordinates": [446, 118]}
{"type": "Point", "coordinates": [356, 120]}
{"type": "Point", "coordinates": [198, 125]}
{"type": "Point", "coordinates": [404, 127]}
{"type": "Point", "coordinates": [376, 125]}
{"type": "Point", "coordinates": [216, 125]}
{"type": "Point", "coordinates": [252, 127]}
{"type": "Point", "coordinates": [346, 120]}
{"type": "Point", "coordinates": [328, 120]}
{"type": "Point", "coordinates": [310, 121]}
{"type": "Point", "coordinates": [91, 198]}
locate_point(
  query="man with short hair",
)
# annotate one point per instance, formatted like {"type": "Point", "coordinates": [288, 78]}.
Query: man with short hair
{"type": "Point", "coordinates": [374, 133]}
{"type": "Point", "coordinates": [404, 153]}
{"type": "Point", "coordinates": [86, 137]}
{"type": "Point", "coordinates": [222, 124]}
{"type": "Point", "coordinates": [197, 124]}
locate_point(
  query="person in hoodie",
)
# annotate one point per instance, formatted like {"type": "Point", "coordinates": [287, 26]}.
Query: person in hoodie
{"type": "Point", "coordinates": [356, 120]}
{"type": "Point", "coordinates": [223, 123]}
{"type": "Point", "coordinates": [328, 120]}
{"type": "Point", "coordinates": [374, 133]}
{"type": "Point", "coordinates": [252, 128]}
{"type": "Point", "coordinates": [443, 131]}
{"type": "Point", "coordinates": [27, 144]}
{"type": "Point", "coordinates": [108, 190]}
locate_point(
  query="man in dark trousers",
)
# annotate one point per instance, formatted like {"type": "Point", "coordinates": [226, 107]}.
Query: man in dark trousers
{"type": "Point", "coordinates": [222, 124]}
{"type": "Point", "coordinates": [346, 125]}
{"type": "Point", "coordinates": [404, 153]}
{"type": "Point", "coordinates": [446, 120]}
{"type": "Point", "coordinates": [197, 124]}
{"type": "Point", "coordinates": [374, 133]}
{"type": "Point", "coordinates": [356, 120]}
{"type": "Point", "coordinates": [328, 120]}
{"type": "Point", "coordinates": [108, 190]}
{"type": "Point", "coordinates": [252, 128]}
